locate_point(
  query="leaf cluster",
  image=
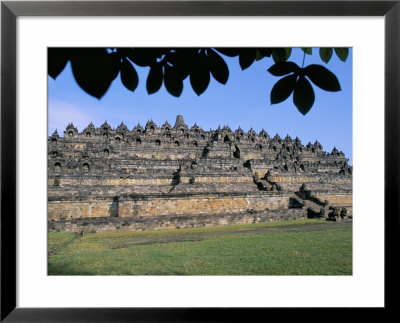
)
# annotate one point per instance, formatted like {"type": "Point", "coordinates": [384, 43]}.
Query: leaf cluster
{"type": "Point", "coordinates": [94, 69]}
{"type": "Point", "coordinates": [296, 81]}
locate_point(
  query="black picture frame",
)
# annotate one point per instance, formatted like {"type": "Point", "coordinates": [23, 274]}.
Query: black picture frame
{"type": "Point", "coordinates": [10, 10]}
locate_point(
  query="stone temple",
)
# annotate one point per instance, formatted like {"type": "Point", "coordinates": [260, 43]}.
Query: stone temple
{"type": "Point", "coordinates": [105, 179]}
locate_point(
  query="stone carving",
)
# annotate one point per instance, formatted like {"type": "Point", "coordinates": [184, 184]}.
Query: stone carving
{"type": "Point", "coordinates": [334, 213]}
{"type": "Point", "coordinates": [163, 176]}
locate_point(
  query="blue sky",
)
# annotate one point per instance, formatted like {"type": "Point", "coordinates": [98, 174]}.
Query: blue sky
{"type": "Point", "coordinates": [243, 101]}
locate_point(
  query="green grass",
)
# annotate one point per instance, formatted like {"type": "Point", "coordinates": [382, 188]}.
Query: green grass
{"type": "Point", "coordinates": [58, 240]}
{"type": "Point", "coordinates": [301, 247]}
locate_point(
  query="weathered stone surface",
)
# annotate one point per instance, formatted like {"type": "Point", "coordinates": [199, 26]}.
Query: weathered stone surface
{"type": "Point", "coordinates": [105, 179]}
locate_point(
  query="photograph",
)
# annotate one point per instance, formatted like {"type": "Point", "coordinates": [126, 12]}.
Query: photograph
{"type": "Point", "coordinates": [200, 161]}
{"type": "Point", "coordinates": [193, 161]}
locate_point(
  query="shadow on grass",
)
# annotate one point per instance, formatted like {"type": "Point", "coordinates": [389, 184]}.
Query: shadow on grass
{"type": "Point", "coordinates": [194, 237]}
{"type": "Point", "coordinates": [314, 248]}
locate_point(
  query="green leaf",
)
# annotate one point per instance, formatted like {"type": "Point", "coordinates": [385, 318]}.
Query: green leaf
{"type": "Point", "coordinates": [259, 56]}
{"type": "Point", "coordinates": [283, 89]}
{"type": "Point", "coordinates": [342, 53]}
{"type": "Point", "coordinates": [303, 95]}
{"type": "Point", "coordinates": [288, 52]}
{"type": "Point", "coordinates": [283, 68]}
{"type": "Point", "coordinates": [265, 52]}
{"type": "Point", "coordinates": [279, 55]}
{"type": "Point", "coordinates": [154, 79]}
{"type": "Point", "coordinates": [218, 68]}
{"type": "Point", "coordinates": [173, 83]}
{"type": "Point", "coordinates": [307, 50]}
{"type": "Point", "coordinates": [325, 53]}
{"type": "Point", "coordinates": [129, 76]}
{"type": "Point", "coordinates": [322, 77]}
{"type": "Point", "coordinates": [247, 57]}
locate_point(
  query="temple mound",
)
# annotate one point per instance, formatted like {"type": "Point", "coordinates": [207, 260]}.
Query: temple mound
{"type": "Point", "coordinates": [105, 179]}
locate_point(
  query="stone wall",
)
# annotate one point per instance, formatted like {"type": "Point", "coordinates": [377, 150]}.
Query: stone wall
{"type": "Point", "coordinates": [99, 181]}
{"type": "Point", "coordinates": [135, 206]}
{"type": "Point", "coordinates": [338, 200]}
{"type": "Point", "coordinates": [116, 224]}
{"type": "Point", "coordinates": [199, 204]}
{"type": "Point", "coordinates": [74, 209]}
{"type": "Point", "coordinates": [308, 178]}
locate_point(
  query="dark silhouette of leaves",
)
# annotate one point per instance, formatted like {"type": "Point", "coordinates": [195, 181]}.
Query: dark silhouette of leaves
{"type": "Point", "coordinates": [303, 95]}
{"type": "Point", "coordinates": [342, 53]}
{"type": "Point", "coordinates": [259, 56]}
{"type": "Point", "coordinates": [200, 75]}
{"type": "Point", "coordinates": [231, 52]}
{"type": "Point", "coordinates": [154, 79]}
{"type": "Point", "coordinates": [218, 68]}
{"type": "Point", "coordinates": [247, 57]}
{"type": "Point", "coordinates": [172, 81]}
{"type": "Point", "coordinates": [283, 89]}
{"type": "Point", "coordinates": [281, 54]}
{"type": "Point", "coordinates": [283, 68]}
{"type": "Point", "coordinates": [307, 50]}
{"type": "Point", "coordinates": [94, 69]}
{"type": "Point", "coordinates": [129, 75]}
{"type": "Point", "coordinates": [146, 56]}
{"type": "Point", "coordinates": [288, 53]}
{"type": "Point", "coordinates": [263, 52]}
{"type": "Point", "coordinates": [182, 60]}
{"type": "Point", "coordinates": [57, 59]}
{"type": "Point", "coordinates": [322, 77]}
{"type": "Point", "coordinates": [266, 52]}
{"type": "Point", "coordinates": [325, 53]}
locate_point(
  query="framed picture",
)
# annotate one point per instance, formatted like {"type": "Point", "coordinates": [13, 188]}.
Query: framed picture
{"type": "Point", "coordinates": [33, 288]}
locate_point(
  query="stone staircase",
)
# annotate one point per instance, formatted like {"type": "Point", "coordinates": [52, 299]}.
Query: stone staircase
{"type": "Point", "coordinates": [316, 208]}
{"type": "Point", "coordinates": [313, 207]}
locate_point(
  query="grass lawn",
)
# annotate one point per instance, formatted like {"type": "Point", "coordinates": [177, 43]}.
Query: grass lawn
{"type": "Point", "coordinates": [299, 247]}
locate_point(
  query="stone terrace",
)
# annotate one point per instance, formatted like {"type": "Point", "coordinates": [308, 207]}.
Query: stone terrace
{"type": "Point", "coordinates": [105, 179]}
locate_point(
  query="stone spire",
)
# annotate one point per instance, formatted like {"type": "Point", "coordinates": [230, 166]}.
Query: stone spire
{"type": "Point", "coordinates": [166, 126]}
{"type": "Point", "coordinates": [195, 127]}
{"type": "Point", "coordinates": [226, 128]}
{"type": "Point", "coordinates": [239, 131]}
{"type": "Point", "coordinates": [71, 126]}
{"type": "Point", "coordinates": [335, 152]}
{"type": "Point", "coordinates": [122, 127]}
{"type": "Point", "coordinates": [317, 145]}
{"type": "Point", "coordinates": [70, 130]}
{"type": "Point", "coordinates": [263, 133]}
{"type": "Point", "coordinates": [105, 125]}
{"type": "Point", "coordinates": [179, 121]}
{"type": "Point", "coordinates": [90, 126]}
{"type": "Point", "coordinates": [138, 128]}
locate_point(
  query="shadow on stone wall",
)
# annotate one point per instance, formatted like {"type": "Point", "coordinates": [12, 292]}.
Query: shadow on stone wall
{"type": "Point", "coordinates": [113, 210]}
